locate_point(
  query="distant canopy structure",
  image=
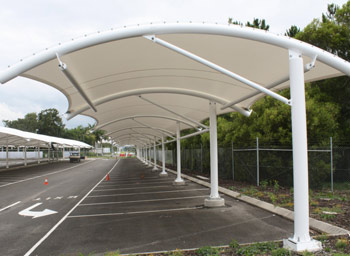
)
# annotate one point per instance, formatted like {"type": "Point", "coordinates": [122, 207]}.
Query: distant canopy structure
{"type": "Point", "coordinates": [145, 83]}
{"type": "Point", "coordinates": [17, 138]}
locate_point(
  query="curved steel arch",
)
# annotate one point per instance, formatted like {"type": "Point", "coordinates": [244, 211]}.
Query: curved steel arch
{"type": "Point", "coordinates": [175, 28]}
{"type": "Point", "coordinates": [137, 92]}
{"type": "Point", "coordinates": [135, 133]}
{"type": "Point", "coordinates": [135, 140]}
{"type": "Point", "coordinates": [144, 116]}
{"type": "Point", "coordinates": [143, 127]}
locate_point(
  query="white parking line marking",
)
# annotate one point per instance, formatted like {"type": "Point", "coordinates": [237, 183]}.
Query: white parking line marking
{"type": "Point", "coordinates": [138, 183]}
{"type": "Point", "coordinates": [131, 179]}
{"type": "Point", "coordinates": [65, 216]}
{"type": "Point", "coordinates": [3, 209]}
{"type": "Point", "coordinates": [157, 192]}
{"type": "Point", "coordinates": [148, 200]}
{"type": "Point", "coordinates": [141, 212]}
{"type": "Point", "coordinates": [44, 175]}
{"type": "Point", "coordinates": [129, 188]}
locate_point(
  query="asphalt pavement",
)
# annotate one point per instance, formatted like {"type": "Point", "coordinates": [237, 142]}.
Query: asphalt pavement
{"type": "Point", "coordinates": [134, 211]}
{"type": "Point", "coordinates": [24, 188]}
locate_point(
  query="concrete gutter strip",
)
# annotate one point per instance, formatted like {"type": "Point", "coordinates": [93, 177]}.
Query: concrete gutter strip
{"type": "Point", "coordinates": [317, 225]}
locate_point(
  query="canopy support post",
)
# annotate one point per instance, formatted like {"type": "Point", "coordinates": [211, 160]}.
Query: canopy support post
{"type": "Point", "coordinates": [214, 199]}
{"type": "Point", "coordinates": [38, 153]}
{"type": "Point", "coordinates": [49, 152]}
{"type": "Point", "coordinates": [25, 155]}
{"type": "Point", "coordinates": [155, 168]}
{"type": "Point", "coordinates": [7, 153]}
{"type": "Point", "coordinates": [178, 181]}
{"type": "Point", "coordinates": [163, 173]}
{"type": "Point", "coordinates": [149, 156]}
{"type": "Point", "coordinates": [301, 240]}
{"type": "Point", "coordinates": [146, 155]}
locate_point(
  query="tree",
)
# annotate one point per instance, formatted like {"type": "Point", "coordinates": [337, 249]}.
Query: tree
{"type": "Point", "coordinates": [332, 34]}
{"type": "Point", "coordinates": [292, 31]}
{"type": "Point", "coordinates": [50, 123]}
{"type": "Point", "coordinates": [29, 123]}
{"type": "Point", "coordinates": [236, 22]}
{"type": "Point", "coordinates": [260, 24]}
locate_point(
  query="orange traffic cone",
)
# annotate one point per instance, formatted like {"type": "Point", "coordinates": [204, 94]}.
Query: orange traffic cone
{"type": "Point", "coordinates": [107, 177]}
{"type": "Point", "coordinates": [46, 183]}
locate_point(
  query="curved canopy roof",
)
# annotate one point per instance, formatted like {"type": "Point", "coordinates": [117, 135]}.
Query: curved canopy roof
{"type": "Point", "coordinates": [14, 137]}
{"type": "Point", "coordinates": [139, 81]}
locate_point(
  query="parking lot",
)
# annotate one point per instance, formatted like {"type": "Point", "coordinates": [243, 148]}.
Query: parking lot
{"type": "Point", "coordinates": [137, 211]}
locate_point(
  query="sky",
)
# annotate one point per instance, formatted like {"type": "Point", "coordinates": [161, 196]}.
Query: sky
{"type": "Point", "coordinates": [31, 26]}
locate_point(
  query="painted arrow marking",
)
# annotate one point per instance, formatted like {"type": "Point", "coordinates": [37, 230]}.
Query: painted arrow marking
{"type": "Point", "coordinates": [28, 212]}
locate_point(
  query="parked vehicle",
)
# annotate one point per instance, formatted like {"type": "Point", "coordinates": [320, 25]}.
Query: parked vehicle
{"type": "Point", "coordinates": [74, 157]}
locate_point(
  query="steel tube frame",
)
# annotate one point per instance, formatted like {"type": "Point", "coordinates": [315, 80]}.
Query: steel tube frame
{"type": "Point", "coordinates": [159, 130]}
{"type": "Point", "coordinates": [307, 68]}
{"type": "Point", "coordinates": [173, 28]}
{"type": "Point", "coordinates": [301, 240]}
{"type": "Point", "coordinates": [63, 67]}
{"type": "Point", "coordinates": [173, 112]}
{"type": "Point", "coordinates": [144, 116]}
{"type": "Point", "coordinates": [218, 68]}
{"type": "Point", "coordinates": [153, 90]}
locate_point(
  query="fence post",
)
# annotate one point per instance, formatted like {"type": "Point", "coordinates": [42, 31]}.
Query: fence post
{"type": "Point", "coordinates": [201, 158]}
{"type": "Point", "coordinates": [233, 162]}
{"type": "Point", "coordinates": [257, 161]}
{"type": "Point", "coordinates": [331, 145]}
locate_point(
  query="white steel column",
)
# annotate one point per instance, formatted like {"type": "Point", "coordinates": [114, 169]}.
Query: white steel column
{"type": "Point", "coordinates": [214, 200]}
{"type": "Point", "coordinates": [25, 155]}
{"type": "Point", "coordinates": [143, 155]}
{"type": "Point", "coordinates": [149, 157]}
{"type": "Point", "coordinates": [7, 154]}
{"type": "Point", "coordinates": [163, 173]}
{"type": "Point", "coordinates": [178, 180]}
{"type": "Point", "coordinates": [155, 156]}
{"type": "Point", "coordinates": [38, 153]}
{"type": "Point", "coordinates": [48, 152]}
{"type": "Point", "coordinates": [301, 240]}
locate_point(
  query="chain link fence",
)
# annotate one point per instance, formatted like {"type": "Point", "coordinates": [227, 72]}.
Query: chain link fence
{"type": "Point", "coordinates": [329, 165]}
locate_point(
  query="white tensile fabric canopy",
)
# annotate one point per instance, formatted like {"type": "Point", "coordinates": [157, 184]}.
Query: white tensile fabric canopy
{"type": "Point", "coordinates": [14, 137]}
{"type": "Point", "coordinates": [115, 67]}
{"type": "Point", "coordinates": [144, 83]}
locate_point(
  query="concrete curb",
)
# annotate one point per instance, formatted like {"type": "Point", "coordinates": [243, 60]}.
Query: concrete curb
{"type": "Point", "coordinates": [317, 225]}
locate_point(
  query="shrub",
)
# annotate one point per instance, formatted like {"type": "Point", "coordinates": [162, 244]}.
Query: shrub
{"type": "Point", "coordinates": [341, 243]}
{"type": "Point", "coordinates": [208, 251]}
{"type": "Point", "coordinates": [281, 252]}
{"type": "Point", "coordinates": [234, 244]}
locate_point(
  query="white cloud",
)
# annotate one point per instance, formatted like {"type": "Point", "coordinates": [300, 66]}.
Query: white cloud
{"type": "Point", "coordinates": [6, 113]}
